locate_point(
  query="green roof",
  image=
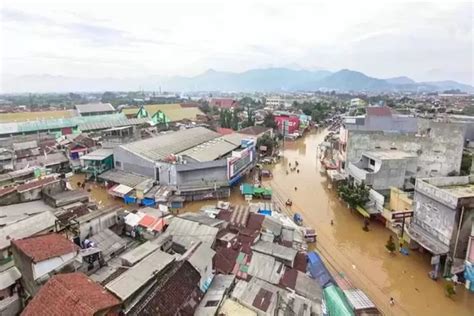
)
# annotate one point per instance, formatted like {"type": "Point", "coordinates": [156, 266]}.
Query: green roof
{"type": "Point", "coordinates": [336, 302]}
{"type": "Point", "coordinates": [247, 189]}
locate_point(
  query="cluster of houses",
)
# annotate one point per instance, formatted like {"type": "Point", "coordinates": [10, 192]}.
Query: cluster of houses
{"type": "Point", "coordinates": [421, 179]}
{"type": "Point", "coordinates": [63, 254]}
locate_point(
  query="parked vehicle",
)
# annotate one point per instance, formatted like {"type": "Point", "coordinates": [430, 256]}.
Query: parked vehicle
{"type": "Point", "coordinates": [298, 219]}
{"type": "Point", "coordinates": [310, 235]}
{"type": "Point", "coordinates": [266, 173]}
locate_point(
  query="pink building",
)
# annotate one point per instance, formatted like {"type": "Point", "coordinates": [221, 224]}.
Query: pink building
{"type": "Point", "coordinates": [287, 123]}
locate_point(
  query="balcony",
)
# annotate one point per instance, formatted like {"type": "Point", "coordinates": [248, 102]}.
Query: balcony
{"type": "Point", "coordinates": [361, 174]}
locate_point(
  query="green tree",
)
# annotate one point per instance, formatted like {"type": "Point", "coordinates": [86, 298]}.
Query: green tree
{"type": "Point", "coordinates": [269, 121]}
{"type": "Point", "coordinates": [234, 121]}
{"type": "Point", "coordinates": [354, 194]}
{"type": "Point", "coordinates": [268, 141]}
{"type": "Point", "coordinates": [390, 245]}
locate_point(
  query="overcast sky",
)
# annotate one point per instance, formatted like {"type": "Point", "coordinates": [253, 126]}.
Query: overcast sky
{"type": "Point", "coordinates": [81, 38]}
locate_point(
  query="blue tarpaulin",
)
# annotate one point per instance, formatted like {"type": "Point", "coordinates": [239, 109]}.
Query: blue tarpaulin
{"type": "Point", "coordinates": [129, 199]}
{"type": "Point", "coordinates": [318, 270]}
{"type": "Point", "coordinates": [265, 212]}
{"type": "Point", "coordinates": [148, 202]}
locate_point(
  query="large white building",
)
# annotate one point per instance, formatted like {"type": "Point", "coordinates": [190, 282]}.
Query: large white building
{"type": "Point", "coordinates": [275, 102]}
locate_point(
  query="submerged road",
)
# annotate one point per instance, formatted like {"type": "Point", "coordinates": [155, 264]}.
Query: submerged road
{"type": "Point", "coordinates": [361, 256]}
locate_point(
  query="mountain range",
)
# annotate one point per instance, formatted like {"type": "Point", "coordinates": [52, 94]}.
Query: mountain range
{"type": "Point", "coordinates": [265, 80]}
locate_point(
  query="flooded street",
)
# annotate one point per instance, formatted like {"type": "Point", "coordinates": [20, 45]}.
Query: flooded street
{"type": "Point", "coordinates": [346, 248]}
{"type": "Point", "coordinates": [360, 255]}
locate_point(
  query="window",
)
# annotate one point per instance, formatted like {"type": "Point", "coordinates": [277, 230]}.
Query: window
{"type": "Point", "coordinates": [371, 162]}
{"type": "Point", "coordinates": [212, 303]}
{"type": "Point", "coordinates": [118, 164]}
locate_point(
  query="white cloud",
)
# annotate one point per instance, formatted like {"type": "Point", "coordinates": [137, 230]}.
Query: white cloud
{"type": "Point", "coordinates": [164, 37]}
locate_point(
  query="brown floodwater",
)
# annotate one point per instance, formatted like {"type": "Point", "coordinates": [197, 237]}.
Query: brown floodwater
{"type": "Point", "coordinates": [345, 247]}
{"type": "Point", "coordinates": [361, 256]}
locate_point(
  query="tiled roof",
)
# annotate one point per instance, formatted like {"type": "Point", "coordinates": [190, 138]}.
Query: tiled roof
{"type": "Point", "coordinates": [379, 111]}
{"type": "Point", "coordinates": [176, 293]}
{"type": "Point", "coordinates": [35, 184]}
{"type": "Point", "coordinates": [44, 247]}
{"type": "Point", "coordinates": [223, 103]}
{"type": "Point", "coordinates": [224, 131]}
{"type": "Point", "coordinates": [70, 294]}
{"type": "Point", "coordinates": [6, 191]}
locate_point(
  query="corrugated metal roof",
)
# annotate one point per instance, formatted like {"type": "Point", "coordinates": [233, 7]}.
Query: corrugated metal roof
{"type": "Point", "coordinates": [114, 123]}
{"type": "Point", "coordinates": [53, 124]}
{"type": "Point", "coordinates": [125, 285]}
{"type": "Point", "coordinates": [358, 299]}
{"type": "Point", "coordinates": [266, 268]}
{"type": "Point", "coordinates": [123, 177]}
{"type": "Point", "coordinates": [135, 255]}
{"type": "Point", "coordinates": [26, 227]}
{"type": "Point", "coordinates": [216, 292]}
{"type": "Point", "coordinates": [210, 150]}
{"type": "Point", "coordinates": [94, 107]}
{"type": "Point", "coordinates": [185, 232]}
{"type": "Point", "coordinates": [99, 154]}
{"type": "Point", "coordinates": [159, 147]}
{"type": "Point", "coordinates": [275, 250]}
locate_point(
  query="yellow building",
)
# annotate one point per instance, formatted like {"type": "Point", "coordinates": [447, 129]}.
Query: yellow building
{"type": "Point", "coordinates": [400, 201]}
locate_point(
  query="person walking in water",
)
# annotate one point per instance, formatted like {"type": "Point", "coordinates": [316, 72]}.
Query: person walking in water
{"type": "Point", "coordinates": [296, 188]}
{"type": "Point", "coordinates": [392, 301]}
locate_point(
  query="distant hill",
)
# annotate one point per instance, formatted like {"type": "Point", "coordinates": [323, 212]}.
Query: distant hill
{"type": "Point", "coordinates": [400, 80]}
{"type": "Point", "coordinates": [265, 80]}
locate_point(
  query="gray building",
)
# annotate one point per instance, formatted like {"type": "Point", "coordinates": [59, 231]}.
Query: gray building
{"type": "Point", "coordinates": [438, 147]}
{"type": "Point", "coordinates": [90, 109]}
{"type": "Point", "coordinates": [193, 161]}
{"type": "Point", "coordinates": [443, 214]}
{"type": "Point", "coordinates": [384, 169]}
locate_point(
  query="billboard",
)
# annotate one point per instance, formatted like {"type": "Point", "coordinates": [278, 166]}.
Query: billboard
{"type": "Point", "coordinates": [240, 161]}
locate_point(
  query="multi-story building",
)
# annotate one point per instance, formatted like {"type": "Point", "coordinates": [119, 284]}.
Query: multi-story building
{"type": "Point", "coordinates": [442, 220]}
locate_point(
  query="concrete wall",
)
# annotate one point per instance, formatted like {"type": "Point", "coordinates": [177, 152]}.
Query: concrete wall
{"type": "Point", "coordinates": [392, 173]}
{"type": "Point", "coordinates": [212, 174]}
{"type": "Point", "coordinates": [439, 150]}
{"type": "Point", "coordinates": [23, 263]}
{"type": "Point", "coordinates": [131, 162]}
{"type": "Point", "coordinates": [399, 200]}
{"type": "Point", "coordinates": [436, 218]}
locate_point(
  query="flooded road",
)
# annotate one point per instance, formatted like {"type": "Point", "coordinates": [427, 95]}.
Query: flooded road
{"type": "Point", "coordinates": [345, 247]}
{"type": "Point", "coordinates": [360, 255]}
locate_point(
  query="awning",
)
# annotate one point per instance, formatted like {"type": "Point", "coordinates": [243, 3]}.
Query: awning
{"type": "Point", "coordinates": [428, 242]}
{"type": "Point", "coordinates": [335, 175]}
{"type": "Point", "coordinates": [362, 211]}
{"type": "Point", "coordinates": [120, 190]}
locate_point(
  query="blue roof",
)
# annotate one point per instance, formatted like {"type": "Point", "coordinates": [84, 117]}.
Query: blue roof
{"type": "Point", "coordinates": [318, 270]}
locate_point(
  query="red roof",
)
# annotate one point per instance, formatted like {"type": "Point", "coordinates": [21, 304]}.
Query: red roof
{"type": "Point", "coordinates": [35, 184]}
{"type": "Point", "coordinates": [300, 262]}
{"type": "Point", "coordinates": [379, 111]}
{"type": "Point", "coordinates": [225, 131]}
{"type": "Point", "coordinates": [223, 103]}
{"type": "Point", "coordinates": [70, 294]}
{"type": "Point", "coordinates": [152, 222]}
{"type": "Point", "coordinates": [43, 247]}
{"type": "Point", "coordinates": [6, 191]}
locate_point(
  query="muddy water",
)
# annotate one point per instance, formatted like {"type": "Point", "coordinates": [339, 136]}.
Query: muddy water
{"type": "Point", "coordinates": [360, 255]}
{"type": "Point", "coordinates": [346, 248]}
